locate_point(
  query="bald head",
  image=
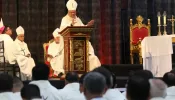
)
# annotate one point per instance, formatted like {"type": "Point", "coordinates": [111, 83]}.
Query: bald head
{"type": "Point", "coordinates": [158, 88]}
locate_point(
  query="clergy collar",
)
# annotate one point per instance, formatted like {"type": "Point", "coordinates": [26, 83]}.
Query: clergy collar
{"type": "Point", "coordinates": [41, 83]}
{"type": "Point", "coordinates": [74, 86]}
{"type": "Point", "coordinates": [98, 98]}
{"type": "Point", "coordinates": [6, 93]}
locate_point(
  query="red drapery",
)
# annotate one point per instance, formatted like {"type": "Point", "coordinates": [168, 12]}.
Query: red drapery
{"type": "Point", "coordinates": [108, 31]}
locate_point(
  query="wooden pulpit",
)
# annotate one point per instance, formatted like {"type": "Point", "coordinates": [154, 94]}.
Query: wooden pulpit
{"type": "Point", "coordinates": [76, 48]}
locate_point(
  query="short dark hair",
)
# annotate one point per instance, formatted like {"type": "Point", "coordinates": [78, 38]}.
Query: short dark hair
{"type": "Point", "coordinates": [146, 74]}
{"type": "Point", "coordinates": [94, 83]}
{"type": "Point", "coordinates": [72, 77]}
{"type": "Point", "coordinates": [40, 72]}
{"type": "Point", "coordinates": [169, 78]}
{"type": "Point", "coordinates": [82, 78]}
{"type": "Point", "coordinates": [30, 91]}
{"type": "Point", "coordinates": [6, 82]}
{"type": "Point", "coordinates": [138, 88]}
{"type": "Point", "coordinates": [107, 74]}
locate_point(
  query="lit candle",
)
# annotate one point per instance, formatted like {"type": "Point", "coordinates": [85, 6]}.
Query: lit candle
{"type": "Point", "coordinates": [164, 17]}
{"type": "Point", "coordinates": [158, 15]}
{"type": "Point", "coordinates": [159, 20]}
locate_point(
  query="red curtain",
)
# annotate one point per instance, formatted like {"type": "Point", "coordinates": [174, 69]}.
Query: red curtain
{"type": "Point", "coordinates": [107, 35]}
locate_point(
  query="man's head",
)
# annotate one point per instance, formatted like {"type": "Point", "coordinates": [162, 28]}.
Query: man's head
{"type": "Point", "coordinates": [137, 88]}
{"type": "Point", "coordinates": [71, 77]}
{"type": "Point", "coordinates": [20, 33]}
{"type": "Point", "coordinates": [94, 85]}
{"type": "Point", "coordinates": [169, 79]}
{"type": "Point", "coordinates": [56, 35]}
{"type": "Point", "coordinates": [72, 6]}
{"type": "Point", "coordinates": [106, 73]}
{"type": "Point", "coordinates": [157, 88]}
{"type": "Point", "coordinates": [6, 83]}
{"type": "Point", "coordinates": [7, 30]}
{"type": "Point", "coordinates": [40, 72]}
{"type": "Point", "coordinates": [72, 13]}
{"type": "Point", "coordinates": [146, 74]}
{"type": "Point", "coordinates": [81, 82]}
{"type": "Point", "coordinates": [30, 91]}
{"type": "Point", "coordinates": [17, 84]}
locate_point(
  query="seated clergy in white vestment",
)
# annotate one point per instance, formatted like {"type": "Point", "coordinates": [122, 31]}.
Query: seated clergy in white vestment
{"type": "Point", "coordinates": [8, 45]}
{"type": "Point", "coordinates": [40, 75]}
{"type": "Point", "coordinates": [72, 20]}
{"type": "Point", "coordinates": [56, 53]}
{"type": "Point", "coordinates": [71, 89]}
{"type": "Point", "coordinates": [22, 53]}
{"type": "Point", "coordinates": [157, 89]}
{"type": "Point", "coordinates": [6, 85]}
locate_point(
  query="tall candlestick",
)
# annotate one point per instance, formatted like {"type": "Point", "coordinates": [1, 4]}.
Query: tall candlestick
{"type": "Point", "coordinates": [158, 15]}
{"type": "Point", "coordinates": [159, 23]}
{"type": "Point", "coordinates": [164, 17]}
{"type": "Point", "coordinates": [159, 20]}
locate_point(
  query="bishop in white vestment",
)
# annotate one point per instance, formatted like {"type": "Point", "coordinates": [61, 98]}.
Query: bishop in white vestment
{"type": "Point", "coordinates": [56, 53]}
{"type": "Point", "coordinates": [22, 53]}
{"type": "Point", "coordinates": [72, 20]}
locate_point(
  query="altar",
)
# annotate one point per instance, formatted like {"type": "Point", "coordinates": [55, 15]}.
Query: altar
{"type": "Point", "coordinates": [157, 54]}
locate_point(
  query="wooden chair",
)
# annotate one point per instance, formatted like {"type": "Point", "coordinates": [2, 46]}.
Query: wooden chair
{"type": "Point", "coordinates": [2, 58]}
{"type": "Point", "coordinates": [137, 33]}
{"type": "Point", "coordinates": [5, 67]}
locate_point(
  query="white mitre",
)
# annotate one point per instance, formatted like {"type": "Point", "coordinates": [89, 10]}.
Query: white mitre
{"type": "Point", "coordinates": [19, 30]}
{"type": "Point", "coordinates": [71, 5]}
{"type": "Point", "coordinates": [56, 33]}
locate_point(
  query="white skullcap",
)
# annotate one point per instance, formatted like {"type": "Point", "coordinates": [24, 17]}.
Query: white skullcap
{"type": "Point", "coordinates": [56, 33]}
{"type": "Point", "coordinates": [19, 30]}
{"type": "Point", "coordinates": [1, 23]}
{"type": "Point", "coordinates": [71, 5]}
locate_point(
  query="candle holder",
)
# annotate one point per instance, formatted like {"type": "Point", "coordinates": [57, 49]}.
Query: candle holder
{"type": "Point", "coordinates": [159, 24]}
{"type": "Point", "coordinates": [164, 20]}
{"type": "Point", "coordinates": [164, 33]}
{"type": "Point", "coordinates": [159, 32]}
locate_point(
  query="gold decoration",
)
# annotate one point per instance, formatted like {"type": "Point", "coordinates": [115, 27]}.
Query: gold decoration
{"type": "Point", "coordinates": [78, 54]}
{"type": "Point", "coordinates": [172, 20]}
{"type": "Point", "coordinates": [136, 48]}
{"type": "Point", "coordinates": [79, 34]}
